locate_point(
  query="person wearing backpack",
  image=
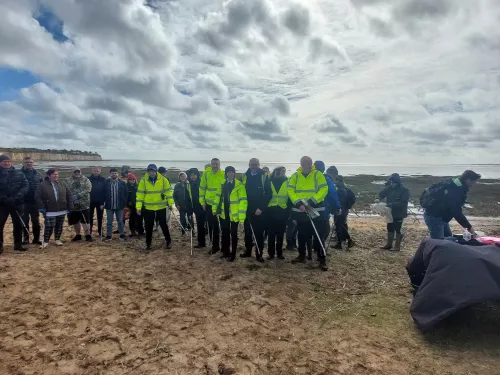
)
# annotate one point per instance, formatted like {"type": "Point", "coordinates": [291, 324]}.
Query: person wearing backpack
{"type": "Point", "coordinates": [397, 197]}
{"type": "Point", "coordinates": [347, 199]}
{"type": "Point", "coordinates": [444, 201]}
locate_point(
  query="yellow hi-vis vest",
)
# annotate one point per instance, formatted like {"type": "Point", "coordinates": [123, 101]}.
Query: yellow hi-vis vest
{"type": "Point", "coordinates": [238, 203]}
{"type": "Point", "coordinates": [313, 187]}
{"type": "Point", "coordinates": [279, 198]}
{"type": "Point", "coordinates": [149, 196]}
{"type": "Point", "coordinates": [209, 186]}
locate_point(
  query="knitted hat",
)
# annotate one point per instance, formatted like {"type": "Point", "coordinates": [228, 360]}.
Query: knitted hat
{"type": "Point", "coordinates": [131, 176]}
{"type": "Point", "coordinates": [320, 166]}
{"type": "Point", "coordinates": [229, 169]}
{"type": "Point", "coordinates": [162, 170]}
{"type": "Point", "coordinates": [182, 174]}
{"type": "Point", "coordinates": [4, 157]}
{"type": "Point", "coordinates": [152, 167]}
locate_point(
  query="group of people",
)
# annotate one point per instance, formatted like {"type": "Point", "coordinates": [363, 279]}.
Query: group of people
{"type": "Point", "coordinates": [214, 201]}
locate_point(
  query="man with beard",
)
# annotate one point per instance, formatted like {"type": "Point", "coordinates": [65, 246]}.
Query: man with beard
{"type": "Point", "coordinates": [13, 188]}
{"type": "Point", "coordinates": [30, 209]}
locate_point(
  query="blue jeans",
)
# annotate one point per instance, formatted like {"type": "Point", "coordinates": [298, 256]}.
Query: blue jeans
{"type": "Point", "coordinates": [119, 220]}
{"type": "Point", "coordinates": [438, 228]}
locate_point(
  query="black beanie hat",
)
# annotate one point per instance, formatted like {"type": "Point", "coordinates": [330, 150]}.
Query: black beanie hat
{"type": "Point", "coordinates": [4, 157]}
{"type": "Point", "coordinates": [229, 169]}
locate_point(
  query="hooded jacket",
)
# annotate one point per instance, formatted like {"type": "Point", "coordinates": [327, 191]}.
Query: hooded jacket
{"type": "Point", "coordinates": [259, 192]}
{"type": "Point", "coordinates": [332, 201]}
{"type": "Point", "coordinates": [397, 197]}
{"type": "Point", "coordinates": [181, 195]}
{"type": "Point", "coordinates": [13, 184]}
{"type": "Point", "coordinates": [80, 189]}
{"type": "Point", "coordinates": [98, 190]}
{"type": "Point", "coordinates": [193, 188]}
{"type": "Point", "coordinates": [34, 179]}
{"type": "Point", "coordinates": [45, 197]}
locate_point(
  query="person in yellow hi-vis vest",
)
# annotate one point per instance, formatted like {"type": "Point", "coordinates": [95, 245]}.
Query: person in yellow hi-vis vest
{"type": "Point", "coordinates": [307, 190]}
{"type": "Point", "coordinates": [154, 194]}
{"type": "Point", "coordinates": [277, 213]}
{"type": "Point", "coordinates": [232, 209]}
{"type": "Point", "coordinates": [210, 184]}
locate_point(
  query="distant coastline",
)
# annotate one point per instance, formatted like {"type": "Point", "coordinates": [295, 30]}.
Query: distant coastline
{"type": "Point", "coordinates": [50, 155]}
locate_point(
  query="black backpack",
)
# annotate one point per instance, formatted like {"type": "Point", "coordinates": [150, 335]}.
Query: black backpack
{"type": "Point", "coordinates": [435, 195]}
{"type": "Point", "coordinates": [350, 198]}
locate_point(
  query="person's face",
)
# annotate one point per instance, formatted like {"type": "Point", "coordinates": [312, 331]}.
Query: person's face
{"type": "Point", "coordinates": [470, 183]}
{"type": "Point", "coordinates": [152, 173]}
{"type": "Point", "coordinates": [132, 181]}
{"type": "Point", "coordinates": [193, 177]}
{"type": "Point", "coordinates": [182, 178]}
{"type": "Point", "coordinates": [306, 164]}
{"type": "Point", "coordinates": [230, 175]}
{"type": "Point", "coordinates": [77, 173]}
{"type": "Point", "coordinates": [96, 172]}
{"type": "Point", "coordinates": [114, 175]}
{"type": "Point", "coordinates": [215, 165]}
{"type": "Point", "coordinates": [54, 177]}
{"type": "Point", "coordinates": [394, 185]}
{"type": "Point", "coordinates": [6, 164]}
{"type": "Point", "coordinates": [266, 170]}
{"type": "Point", "coordinates": [279, 172]}
{"type": "Point", "coordinates": [254, 165]}
{"type": "Point", "coordinates": [29, 164]}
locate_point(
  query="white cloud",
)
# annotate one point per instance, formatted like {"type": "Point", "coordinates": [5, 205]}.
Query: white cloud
{"type": "Point", "coordinates": [416, 78]}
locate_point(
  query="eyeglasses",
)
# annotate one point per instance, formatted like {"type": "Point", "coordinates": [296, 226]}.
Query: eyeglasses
{"type": "Point", "coordinates": [131, 180]}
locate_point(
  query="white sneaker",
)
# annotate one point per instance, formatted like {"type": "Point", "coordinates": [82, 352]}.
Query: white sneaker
{"type": "Point", "coordinates": [59, 243]}
{"type": "Point", "coordinates": [44, 245]}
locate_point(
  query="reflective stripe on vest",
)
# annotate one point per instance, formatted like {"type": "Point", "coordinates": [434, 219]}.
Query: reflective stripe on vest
{"type": "Point", "coordinates": [280, 198]}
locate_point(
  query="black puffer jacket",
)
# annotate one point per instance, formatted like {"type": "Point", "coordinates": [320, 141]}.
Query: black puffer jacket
{"type": "Point", "coordinates": [397, 197]}
{"type": "Point", "coordinates": [13, 184]}
{"type": "Point", "coordinates": [34, 179]}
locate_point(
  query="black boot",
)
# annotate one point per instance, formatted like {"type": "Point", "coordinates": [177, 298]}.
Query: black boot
{"type": "Point", "coordinates": [20, 247]}
{"type": "Point", "coordinates": [260, 259]}
{"type": "Point", "coordinates": [322, 264]}
{"type": "Point", "coordinates": [390, 241]}
{"type": "Point", "coordinates": [214, 250]}
{"type": "Point", "coordinates": [78, 237]}
{"type": "Point", "coordinates": [299, 259]}
{"type": "Point", "coordinates": [397, 246]}
{"type": "Point", "coordinates": [338, 246]}
{"type": "Point", "coordinates": [246, 254]}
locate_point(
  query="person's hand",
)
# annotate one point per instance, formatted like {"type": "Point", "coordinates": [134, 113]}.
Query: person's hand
{"type": "Point", "coordinates": [473, 232]}
{"type": "Point", "coordinates": [139, 212]}
{"type": "Point", "coordinates": [102, 207]}
{"type": "Point", "coordinates": [204, 206]}
{"type": "Point", "coordinates": [258, 212]}
{"type": "Point", "coordinates": [302, 208]}
{"type": "Point", "coordinates": [339, 211]}
{"type": "Point", "coordinates": [10, 202]}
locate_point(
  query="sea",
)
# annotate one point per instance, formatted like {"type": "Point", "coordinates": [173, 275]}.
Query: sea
{"type": "Point", "coordinates": [488, 171]}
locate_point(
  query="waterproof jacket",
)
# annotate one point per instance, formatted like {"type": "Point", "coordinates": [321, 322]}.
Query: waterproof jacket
{"type": "Point", "coordinates": [209, 185]}
{"type": "Point", "coordinates": [45, 197]}
{"type": "Point", "coordinates": [313, 188]}
{"type": "Point", "coordinates": [332, 201]}
{"type": "Point", "coordinates": [279, 206]}
{"type": "Point", "coordinates": [182, 197]}
{"type": "Point", "coordinates": [237, 202]}
{"type": "Point", "coordinates": [131, 194]}
{"type": "Point", "coordinates": [122, 197]}
{"type": "Point", "coordinates": [154, 197]}
{"type": "Point", "coordinates": [98, 191]}
{"type": "Point", "coordinates": [80, 189]}
{"type": "Point", "coordinates": [259, 191]}
{"type": "Point", "coordinates": [455, 198]}
{"type": "Point", "coordinates": [342, 193]}
{"type": "Point", "coordinates": [34, 179]}
{"type": "Point", "coordinates": [397, 199]}
{"type": "Point", "coordinates": [13, 184]}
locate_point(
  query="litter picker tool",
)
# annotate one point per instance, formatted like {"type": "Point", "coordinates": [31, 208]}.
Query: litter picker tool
{"type": "Point", "coordinates": [311, 211]}
{"type": "Point", "coordinates": [255, 239]}
{"type": "Point", "coordinates": [23, 224]}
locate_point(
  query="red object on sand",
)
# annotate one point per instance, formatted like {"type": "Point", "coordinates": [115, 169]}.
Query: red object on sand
{"type": "Point", "coordinates": [126, 213]}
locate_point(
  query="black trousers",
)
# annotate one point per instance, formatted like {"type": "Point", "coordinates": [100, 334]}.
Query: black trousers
{"type": "Point", "coordinates": [229, 236]}
{"type": "Point", "coordinates": [97, 207]}
{"type": "Point", "coordinates": [306, 233]}
{"type": "Point", "coordinates": [150, 218]}
{"type": "Point", "coordinates": [31, 211]}
{"type": "Point", "coordinates": [395, 226]}
{"type": "Point", "coordinates": [213, 228]}
{"type": "Point", "coordinates": [326, 230]}
{"type": "Point", "coordinates": [258, 225]}
{"type": "Point", "coordinates": [200, 226]}
{"type": "Point", "coordinates": [275, 234]}
{"type": "Point", "coordinates": [291, 233]}
{"type": "Point", "coordinates": [135, 222]}
{"type": "Point", "coordinates": [5, 211]}
{"type": "Point", "coordinates": [341, 227]}
{"type": "Point", "coordinates": [186, 220]}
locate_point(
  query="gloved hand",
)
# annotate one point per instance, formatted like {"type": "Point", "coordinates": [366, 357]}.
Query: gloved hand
{"type": "Point", "coordinates": [10, 202]}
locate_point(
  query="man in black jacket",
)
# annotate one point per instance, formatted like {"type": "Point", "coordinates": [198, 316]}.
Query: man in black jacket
{"type": "Point", "coordinates": [97, 197]}
{"type": "Point", "coordinates": [13, 188]}
{"type": "Point", "coordinates": [30, 208]}
{"type": "Point", "coordinates": [259, 194]}
{"type": "Point", "coordinates": [444, 201]}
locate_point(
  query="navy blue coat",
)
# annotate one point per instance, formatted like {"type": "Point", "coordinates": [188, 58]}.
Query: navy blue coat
{"type": "Point", "coordinates": [122, 194]}
{"type": "Point", "coordinates": [98, 192]}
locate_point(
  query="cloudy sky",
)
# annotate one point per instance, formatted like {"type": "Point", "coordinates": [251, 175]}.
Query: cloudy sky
{"type": "Point", "coordinates": [412, 81]}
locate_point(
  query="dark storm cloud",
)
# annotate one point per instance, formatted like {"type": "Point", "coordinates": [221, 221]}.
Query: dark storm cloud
{"type": "Point", "coordinates": [267, 131]}
{"type": "Point", "coordinates": [298, 21]}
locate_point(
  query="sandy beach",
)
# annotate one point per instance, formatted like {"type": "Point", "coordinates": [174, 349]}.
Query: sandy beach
{"type": "Point", "coordinates": [106, 308]}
